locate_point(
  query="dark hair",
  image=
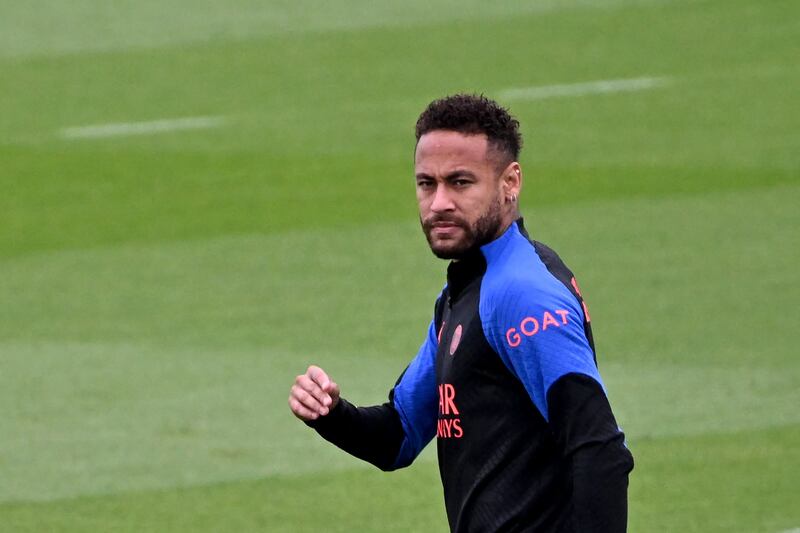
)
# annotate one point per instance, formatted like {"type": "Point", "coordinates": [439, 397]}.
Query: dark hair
{"type": "Point", "coordinates": [474, 114]}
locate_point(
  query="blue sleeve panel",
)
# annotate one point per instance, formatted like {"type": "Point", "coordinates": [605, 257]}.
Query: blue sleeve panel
{"type": "Point", "coordinates": [415, 399]}
{"type": "Point", "coordinates": [533, 322]}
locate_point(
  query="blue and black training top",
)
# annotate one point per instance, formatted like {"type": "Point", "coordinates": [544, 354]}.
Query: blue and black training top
{"type": "Point", "coordinates": [507, 381]}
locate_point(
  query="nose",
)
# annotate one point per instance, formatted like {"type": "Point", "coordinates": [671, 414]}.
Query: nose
{"type": "Point", "coordinates": [441, 200]}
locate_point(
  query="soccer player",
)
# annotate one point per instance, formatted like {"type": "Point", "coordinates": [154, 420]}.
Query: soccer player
{"type": "Point", "coordinates": [506, 378]}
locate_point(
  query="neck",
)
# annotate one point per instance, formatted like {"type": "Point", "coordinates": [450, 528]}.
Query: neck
{"type": "Point", "coordinates": [509, 217]}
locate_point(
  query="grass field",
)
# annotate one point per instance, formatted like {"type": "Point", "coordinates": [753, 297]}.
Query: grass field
{"type": "Point", "coordinates": [159, 291]}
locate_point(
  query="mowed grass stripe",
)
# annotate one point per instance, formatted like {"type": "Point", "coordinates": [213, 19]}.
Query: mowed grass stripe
{"type": "Point", "coordinates": [109, 419]}
{"type": "Point", "coordinates": [103, 418]}
{"type": "Point", "coordinates": [564, 90]}
{"type": "Point", "coordinates": [701, 484]}
{"type": "Point", "coordinates": [327, 122]}
{"type": "Point", "coordinates": [53, 28]}
{"type": "Point", "coordinates": [140, 294]}
{"type": "Point", "coordinates": [154, 197]}
{"type": "Point", "coordinates": [149, 127]}
{"type": "Point", "coordinates": [162, 365]}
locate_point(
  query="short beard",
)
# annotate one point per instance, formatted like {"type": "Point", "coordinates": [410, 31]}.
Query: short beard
{"type": "Point", "coordinates": [485, 230]}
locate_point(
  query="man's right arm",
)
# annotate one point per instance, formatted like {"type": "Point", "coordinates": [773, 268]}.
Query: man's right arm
{"type": "Point", "coordinates": [390, 435]}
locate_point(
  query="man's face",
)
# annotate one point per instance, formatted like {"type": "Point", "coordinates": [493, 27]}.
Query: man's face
{"type": "Point", "coordinates": [458, 191]}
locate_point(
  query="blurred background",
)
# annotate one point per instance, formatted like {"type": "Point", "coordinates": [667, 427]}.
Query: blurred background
{"type": "Point", "coordinates": [199, 199]}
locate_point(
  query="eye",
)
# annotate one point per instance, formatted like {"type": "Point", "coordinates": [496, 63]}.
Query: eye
{"type": "Point", "coordinates": [461, 182]}
{"type": "Point", "coordinates": [424, 184]}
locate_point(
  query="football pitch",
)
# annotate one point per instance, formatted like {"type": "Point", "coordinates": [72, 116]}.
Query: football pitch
{"type": "Point", "coordinates": [199, 199]}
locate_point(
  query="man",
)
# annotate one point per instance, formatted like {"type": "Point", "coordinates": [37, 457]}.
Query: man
{"type": "Point", "coordinates": [506, 378]}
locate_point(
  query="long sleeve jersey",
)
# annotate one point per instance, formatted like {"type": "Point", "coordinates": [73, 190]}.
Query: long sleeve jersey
{"type": "Point", "coordinates": [507, 382]}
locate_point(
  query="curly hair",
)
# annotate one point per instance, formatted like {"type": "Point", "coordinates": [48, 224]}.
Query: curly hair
{"type": "Point", "coordinates": [473, 114]}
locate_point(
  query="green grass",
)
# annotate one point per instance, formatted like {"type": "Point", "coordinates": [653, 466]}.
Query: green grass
{"type": "Point", "coordinates": [159, 293]}
{"type": "Point", "coordinates": [714, 482]}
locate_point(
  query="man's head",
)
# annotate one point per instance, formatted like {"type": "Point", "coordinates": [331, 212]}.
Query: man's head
{"type": "Point", "coordinates": [467, 173]}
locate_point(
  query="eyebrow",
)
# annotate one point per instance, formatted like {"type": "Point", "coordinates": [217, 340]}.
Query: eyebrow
{"type": "Point", "coordinates": [449, 177]}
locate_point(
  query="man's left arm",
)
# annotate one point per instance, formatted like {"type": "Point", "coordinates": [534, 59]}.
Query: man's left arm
{"type": "Point", "coordinates": [594, 447]}
{"type": "Point", "coordinates": [540, 336]}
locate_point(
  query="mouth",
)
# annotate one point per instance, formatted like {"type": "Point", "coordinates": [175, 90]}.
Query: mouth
{"type": "Point", "coordinates": [444, 228]}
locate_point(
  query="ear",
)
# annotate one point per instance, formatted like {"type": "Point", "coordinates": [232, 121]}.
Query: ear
{"type": "Point", "coordinates": [511, 180]}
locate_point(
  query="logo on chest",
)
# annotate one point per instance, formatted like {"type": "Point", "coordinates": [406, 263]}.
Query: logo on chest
{"type": "Point", "coordinates": [449, 423]}
{"type": "Point", "coordinates": [456, 339]}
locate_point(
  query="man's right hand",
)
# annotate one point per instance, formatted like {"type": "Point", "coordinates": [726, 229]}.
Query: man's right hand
{"type": "Point", "coordinates": [313, 394]}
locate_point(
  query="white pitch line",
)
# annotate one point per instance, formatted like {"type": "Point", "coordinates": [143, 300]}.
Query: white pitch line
{"type": "Point", "coordinates": [140, 128]}
{"type": "Point", "coordinates": [580, 89]}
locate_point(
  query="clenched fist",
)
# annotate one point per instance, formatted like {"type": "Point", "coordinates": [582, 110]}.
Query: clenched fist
{"type": "Point", "coordinates": [313, 394]}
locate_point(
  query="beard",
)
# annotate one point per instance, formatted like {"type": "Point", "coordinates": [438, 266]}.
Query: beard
{"type": "Point", "coordinates": [483, 231]}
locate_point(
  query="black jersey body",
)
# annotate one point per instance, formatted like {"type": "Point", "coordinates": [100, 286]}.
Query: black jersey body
{"type": "Point", "coordinates": [498, 459]}
{"type": "Point", "coordinates": [507, 382]}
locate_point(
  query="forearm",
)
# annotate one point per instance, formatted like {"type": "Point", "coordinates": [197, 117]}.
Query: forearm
{"type": "Point", "coordinates": [600, 487]}
{"type": "Point", "coordinates": [373, 434]}
{"type": "Point", "coordinates": [594, 451]}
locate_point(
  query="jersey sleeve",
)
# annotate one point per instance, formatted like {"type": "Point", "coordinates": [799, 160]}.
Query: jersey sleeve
{"type": "Point", "coordinates": [415, 400]}
{"type": "Point", "coordinates": [538, 332]}
{"type": "Point", "coordinates": [390, 435]}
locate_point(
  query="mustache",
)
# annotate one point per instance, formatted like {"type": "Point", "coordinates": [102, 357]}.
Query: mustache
{"type": "Point", "coordinates": [450, 219]}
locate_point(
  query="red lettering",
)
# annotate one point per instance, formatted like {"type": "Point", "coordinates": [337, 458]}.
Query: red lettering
{"type": "Point", "coordinates": [447, 397]}
{"type": "Point", "coordinates": [578, 290]}
{"type": "Point", "coordinates": [513, 339]}
{"type": "Point", "coordinates": [575, 286]}
{"type": "Point", "coordinates": [529, 326]}
{"type": "Point", "coordinates": [447, 428]}
{"type": "Point", "coordinates": [529, 332]}
{"type": "Point", "coordinates": [548, 320]}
